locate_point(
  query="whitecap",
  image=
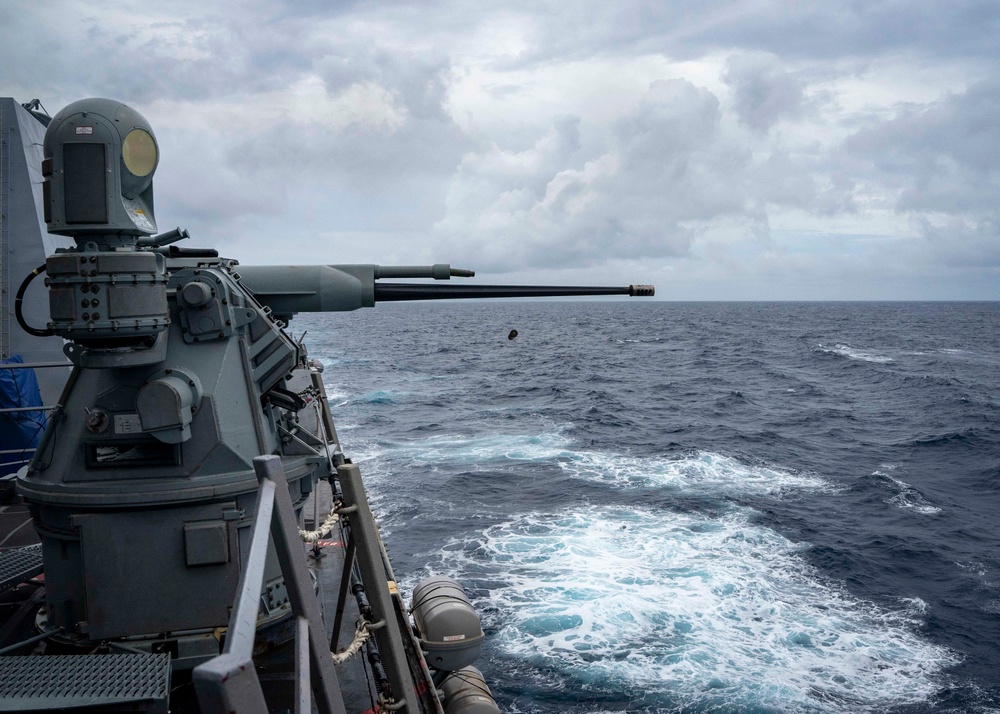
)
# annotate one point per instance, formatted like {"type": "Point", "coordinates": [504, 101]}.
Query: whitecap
{"type": "Point", "coordinates": [856, 354]}
{"type": "Point", "coordinates": [702, 472]}
{"type": "Point", "coordinates": [698, 613]}
{"type": "Point", "coordinates": [907, 497]}
{"type": "Point", "coordinates": [483, 449]}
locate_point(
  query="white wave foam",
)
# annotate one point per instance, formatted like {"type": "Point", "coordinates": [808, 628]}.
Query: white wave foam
{"type": "Point", "coordinates": [695, 612]}
{"type": "Point", "coordinates": [974, 567]}
{"type": "Point", "coordinates": [907, 497]}
{"type": "Point", "coordinates": [488, 449]}
{"type": "Point", "coordinates": [336, 398]}
{"type": "Point", "coordinates": [851, 353]}
{"type": "Point", "coordinates": [703, 472]}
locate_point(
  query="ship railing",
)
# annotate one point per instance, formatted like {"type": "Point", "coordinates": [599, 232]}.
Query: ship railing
{"type": "Point", "coordinates": [24, 453]}
{"type": "Point", "coordinates": [229, 682]}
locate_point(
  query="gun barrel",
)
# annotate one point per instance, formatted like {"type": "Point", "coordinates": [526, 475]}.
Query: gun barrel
{"type": "Point", "coordinates": [289, 289]}
{"type": "Point", "coordinates": [392, 292]}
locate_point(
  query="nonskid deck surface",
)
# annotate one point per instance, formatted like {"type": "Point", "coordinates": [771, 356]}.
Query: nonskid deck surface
{"type": "Point", "coordinates": [135, 681]}
{"type": "Point", "coordinates": [18, 565]}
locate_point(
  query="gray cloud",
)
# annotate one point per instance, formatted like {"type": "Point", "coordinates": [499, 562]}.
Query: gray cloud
{"type": "Point", "coordinates": [763, 92]}
{"type": "Point", "coordinates": [802, 30]}
{"type": "Point", "coordinates": [940, 164]}
{"type": "Point", "coordinates": [668, 172]}
{"type": "Point", "coordinates": [820, 30]}
{"type": "Point", "coordinates": [945, 157]}
{"type": "Point", "coordinates": [290, 125]}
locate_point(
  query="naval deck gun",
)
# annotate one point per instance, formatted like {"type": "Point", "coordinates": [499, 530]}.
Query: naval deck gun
{"type": "Point", "coordinates": [288, 289]}
{"type": "Point", "coordinates": [188, 407]}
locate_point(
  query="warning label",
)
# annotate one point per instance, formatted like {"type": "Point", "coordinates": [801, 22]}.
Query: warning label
{"type": "Point", "coordinates": [127, 424]}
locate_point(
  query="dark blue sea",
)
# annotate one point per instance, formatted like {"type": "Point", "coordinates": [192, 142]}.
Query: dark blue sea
{"type": "Point", "coordinates": [692, 507]}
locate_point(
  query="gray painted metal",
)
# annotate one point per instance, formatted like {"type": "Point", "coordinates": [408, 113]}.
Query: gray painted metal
{"type": "Point", "coordinates": [99, 177]}
{"type": "Point", "coordinates": [285, 534]}
{"type": "Point", "coordinates": [15, 410]}
{"type": "Point", "coordinates": [373, 571]}
{"type": "Point", "coordinates": [35, 365]}
{"type": "Point", "coordinates": [229, 683]}
{"type": "Point", "coordinates": [303, 698]}
{"type": "Point", "coordinates": [136, 682]}
{"type": "Point", "coordinates": [45, 634]}
{"type": "Point", "coordinates": [290, 289]}
{"type": "Point", "coordinates": [25, 243]}
{"type": "Point", "coordinates": [243, 622]}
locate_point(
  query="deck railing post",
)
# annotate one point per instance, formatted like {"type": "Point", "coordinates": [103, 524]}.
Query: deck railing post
{"type": "Point", "coordinates": [228, 683]}
{"type": "Point", "coordinates": [373, 571]}
{"type": "Point", "coordinates": [288, 544]}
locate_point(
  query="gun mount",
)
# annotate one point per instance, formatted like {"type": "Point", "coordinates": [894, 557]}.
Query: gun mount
{"type": "Point", "coordinates": [143, 489]}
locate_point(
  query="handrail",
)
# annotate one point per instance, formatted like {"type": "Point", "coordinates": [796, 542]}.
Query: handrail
{"type": "Point", "coordinates": [39, 408]}
{"type": "Point", "coordinates": [34, 365]}
{"type": "Point", "coordinates": [229, 683]}
{"type": "Point", "coordinates": [31, 365]}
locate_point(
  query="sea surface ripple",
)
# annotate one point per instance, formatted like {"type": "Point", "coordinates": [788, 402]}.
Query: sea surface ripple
{"type": "Point", "coordinates": [692, 507]}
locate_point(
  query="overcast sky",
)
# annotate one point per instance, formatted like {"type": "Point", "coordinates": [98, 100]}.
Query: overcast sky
{"type": "Point", "coordinates": [730, 149]}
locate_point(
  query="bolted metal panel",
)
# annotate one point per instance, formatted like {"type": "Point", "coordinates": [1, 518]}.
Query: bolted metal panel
{"type": "Point", "coordinates": [64, 264]}
{"type": "Point", "coordinates": [148, 549]}
{"type": "Point", "coordinates": [136, 301]}
{"type": "Point", "coordinates": [140, 262]}
{"type": "Point", "coordinates": [62, 302]}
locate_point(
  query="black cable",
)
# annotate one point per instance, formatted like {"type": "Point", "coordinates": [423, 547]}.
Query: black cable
{"type": "Point", "coordinates": [20, 298]}
{"type": "Point", "coordinates": [369, 680]}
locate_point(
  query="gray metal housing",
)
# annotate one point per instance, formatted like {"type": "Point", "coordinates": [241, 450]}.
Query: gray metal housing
{"type": "Point", "coordinates": [25, 243]}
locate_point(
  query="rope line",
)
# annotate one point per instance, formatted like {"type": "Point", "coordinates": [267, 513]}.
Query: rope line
{"type": "Point", "coordinates": [324, 530]}
{"type": "Point", "coordinates": [361, 635]}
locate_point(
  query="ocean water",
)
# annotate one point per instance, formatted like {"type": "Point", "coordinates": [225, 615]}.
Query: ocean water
{"type": "Point", "coordinates": [692, 507]}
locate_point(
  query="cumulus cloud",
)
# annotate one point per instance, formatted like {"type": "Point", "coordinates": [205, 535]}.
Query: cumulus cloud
{"type": "Point", "coordinates": [754, 143]}
{"type": "Point", "coordinates": [667, 172]}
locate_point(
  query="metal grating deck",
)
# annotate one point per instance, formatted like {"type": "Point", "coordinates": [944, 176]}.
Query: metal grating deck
{"type": "Point", "coordinates": [19, 564]}
{"type": "Point", "coordinates": [38, 682]}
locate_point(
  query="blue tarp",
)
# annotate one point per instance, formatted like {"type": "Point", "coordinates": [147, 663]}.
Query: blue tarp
{"type": "Point", "coordinates": [20, 431]}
